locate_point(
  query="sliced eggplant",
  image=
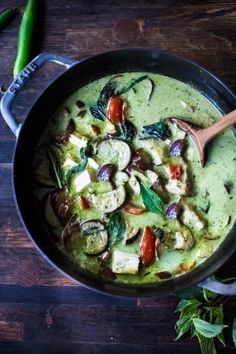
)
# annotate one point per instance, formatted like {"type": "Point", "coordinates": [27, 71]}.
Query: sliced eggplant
{"type": "Point", "coordinates": [125, 263]}
{"type": "Point", "coordinates": [120, 178]}
{"type": "Point", "coordinates": [99, 187]}
{"type": "Point", "coordinates": [70, 235]}
{"type": "Point", "coordinates": [96, 237]}
{"type": "Point", "coordinates": [108, 202]}
{"type": "Point", "coordinates": [114, 151]}
{"type": "Point", "coordinates": [61, 205]}
{"type": "Point", "coordinates": [50, 215]}
{"type": "Point", "coordinates": [106, 172]}
{"type": "Point", "coordinates": [42, 173]}
{"type": "Point", "coordinates": [141, 159]}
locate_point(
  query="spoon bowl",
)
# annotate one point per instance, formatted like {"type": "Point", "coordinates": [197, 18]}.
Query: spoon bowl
{"type": "Point", "coordinates": [202, 136]}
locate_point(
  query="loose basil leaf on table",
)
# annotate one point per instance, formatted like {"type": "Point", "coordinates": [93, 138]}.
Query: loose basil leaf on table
{"type": "Point", "coordinates": [206, 329]}
{"type": "Point", "coordinates": [234, 331]}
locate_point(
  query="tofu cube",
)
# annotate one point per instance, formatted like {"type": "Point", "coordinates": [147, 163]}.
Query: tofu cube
{"type": "Point", "coordinates": [125, 263]}
{"type": "Point", "coordinates": [81, 181]}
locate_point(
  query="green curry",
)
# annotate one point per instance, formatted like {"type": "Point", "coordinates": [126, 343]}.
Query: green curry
{"type": "Point", "coordinates": [120, 187]}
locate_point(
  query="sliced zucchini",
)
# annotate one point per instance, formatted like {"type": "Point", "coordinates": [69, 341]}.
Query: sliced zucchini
{"type": "Point", "coordinates": [114, 151]}
{"type": "Point", "coordinates": [96, 237]}
{"type": "Point", "coordinates": [108, 202]}
{"type": "Point", "coordinates": [125, 263]}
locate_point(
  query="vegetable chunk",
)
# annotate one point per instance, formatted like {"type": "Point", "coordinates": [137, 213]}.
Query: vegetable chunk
{"type": "Point", "coordinates": [125, 263]}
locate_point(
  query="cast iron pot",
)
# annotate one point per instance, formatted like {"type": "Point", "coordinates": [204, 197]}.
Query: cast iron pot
{"type": "Point", "coordinates": [28, 133]}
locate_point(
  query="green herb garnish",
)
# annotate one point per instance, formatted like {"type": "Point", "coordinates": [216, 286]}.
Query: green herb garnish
{"type": "Point", "coordinates": [116, 228]}
{"type": "Point", "coordinates": [158, 130]}
{"type": "Point", "coordinates": [55, 168]}
{"type": "Point", "coordinates": [151, 200]}
{"type": "Point", "coordinates": [203, 317]}
{"type": "Point", "coordinates": [111, 88]}
{"type": "Point", "coordinates": [84, 153]}
{"type": "Point", "coordinates": [234, 331]}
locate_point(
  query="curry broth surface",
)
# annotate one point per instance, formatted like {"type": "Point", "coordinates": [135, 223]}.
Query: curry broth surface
{"type": "Point", "coordinates": [218, 208]}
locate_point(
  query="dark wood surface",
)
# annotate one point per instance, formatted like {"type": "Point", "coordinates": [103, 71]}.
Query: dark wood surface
{"type": "Point", "coordinates": [42, 311]}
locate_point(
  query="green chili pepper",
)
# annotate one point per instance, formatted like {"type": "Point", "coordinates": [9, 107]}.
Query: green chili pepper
{"type": "Point", "coordinates": [7, 16]}
{"type": "Point", "coordinates": [25, 37]}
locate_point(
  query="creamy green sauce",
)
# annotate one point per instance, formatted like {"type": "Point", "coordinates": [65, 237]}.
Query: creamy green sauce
{"type": "Point", "coordinates": [209, 198]}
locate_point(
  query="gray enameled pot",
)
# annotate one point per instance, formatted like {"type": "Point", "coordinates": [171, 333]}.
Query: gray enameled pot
{"type": "Point", "coordinates": [76, 75]}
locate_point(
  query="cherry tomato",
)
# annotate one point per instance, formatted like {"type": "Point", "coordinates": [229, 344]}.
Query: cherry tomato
{"type": "Point", "coordinates": [148, 247]}
{"type": "Point", "coordinates": [175, 171]}
{"type": "Point", "coordinates": [134, 210]}
{"type": "Point", "coordinates": [115, 109]}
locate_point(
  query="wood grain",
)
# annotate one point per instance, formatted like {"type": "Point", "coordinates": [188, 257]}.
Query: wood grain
{"type": "Point", "coordinates": [11, 331]}
{"type": "Point", "coordinates": [41, 310]}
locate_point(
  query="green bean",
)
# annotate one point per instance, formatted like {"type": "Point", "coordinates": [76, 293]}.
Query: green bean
{"type": "Point", "coordinates": [25, 37]}
{"type": "Point", "coordinates": [7, 16]}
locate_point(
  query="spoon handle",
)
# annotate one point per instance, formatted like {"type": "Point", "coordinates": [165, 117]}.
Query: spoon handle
{"type": "Point", "coordinates": [228, 120]}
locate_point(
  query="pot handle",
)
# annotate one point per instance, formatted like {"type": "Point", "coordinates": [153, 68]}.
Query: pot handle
{"type": "Point", "coordinates": [20, 82]}
{"type": "Point", "coordinates": [218, 287]}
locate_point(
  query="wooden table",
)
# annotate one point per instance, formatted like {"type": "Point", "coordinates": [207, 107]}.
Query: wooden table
{"type": "Point", "coordinates": [42, 311]}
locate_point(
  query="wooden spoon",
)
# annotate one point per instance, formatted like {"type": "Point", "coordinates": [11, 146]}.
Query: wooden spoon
{"type": "Point", "coordinates": [201, 137]}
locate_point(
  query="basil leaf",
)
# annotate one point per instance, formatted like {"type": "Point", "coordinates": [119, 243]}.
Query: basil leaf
{"type": "Point", "coordinates": [97, 112]}
{"type": "Point", "coordinates": [187, 304]}
{"type": "Point", "coordinates": [207, 329]}
{"type": "Point", "coordinates": [151, 200]}
{"type": "Point", "coordinates": [218, 313]}
{"type": "Point", "coordinates": [182, 325]}
{"type": "Point", "coordinates": [158, 232]}
{"type": "Point", "coordinates": [234, 331]}
{"type": "Point", "coordinates": [84, 153]}
{"type": "Point", "coordinates": [55, 168]}
{"type": "Point", "coordinates": [111, 88]}
{"type": "Point", "coordinates": [132, 83]}
{"type": "Point", "coordinates": [116, 228]}
{"type": "Point", "coordinates": [207, 345]}
{"type": "Point", "coordinates": [126, 130]}
{"type": "Point", "coordinates": [158, 130]}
